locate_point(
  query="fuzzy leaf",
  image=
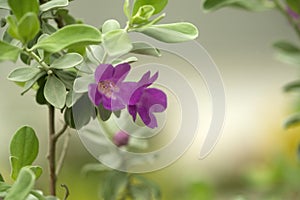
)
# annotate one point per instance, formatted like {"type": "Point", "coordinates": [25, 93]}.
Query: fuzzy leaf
{"type": "Point", "coordinates": [23, 74]}
{"type": "Point", "coordinates": [22, 187]}
{"type": "Point", "coordinates": [53, 4]}
{"type": "Point", "coordinates": [55, 92]}
{"type": "Point", "coordinates": [117, 42]}
{"type": "Point", "coordinates": [171, 33]}
{"type": "Point", "coordinates": [158, 5]}
{"type": "Point", "coordinates": [78, 34]}
{"type": "Point", "coordinates": [8, 52]}
{"type": "Point", "coordinates": [28, 27]}
{"type": "Point", "coordinates": [67, 61]}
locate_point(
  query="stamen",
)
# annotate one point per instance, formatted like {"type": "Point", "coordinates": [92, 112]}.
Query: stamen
{"type": "Point", "coordinates": [108, 88]}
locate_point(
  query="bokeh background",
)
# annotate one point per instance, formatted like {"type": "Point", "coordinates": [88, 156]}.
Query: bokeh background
{"type": "Point", "coordinates": [253, 144]}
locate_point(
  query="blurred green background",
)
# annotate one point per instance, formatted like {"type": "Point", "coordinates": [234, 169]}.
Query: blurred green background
{"type": "Point", "coordinates": [254, 159]}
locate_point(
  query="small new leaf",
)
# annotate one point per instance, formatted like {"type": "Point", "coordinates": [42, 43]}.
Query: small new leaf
{"type": "Point", "coordinates": [23, 185]}
{"type": "Point", "coordinates": [53, 4]}
{"type": "Point", "coordinates": [28, 27]}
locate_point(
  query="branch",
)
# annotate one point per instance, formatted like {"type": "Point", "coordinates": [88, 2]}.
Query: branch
{"type": "Point", "coordinates": [63, 154]}
{"type": "Point", "coordinates": [61, 132]}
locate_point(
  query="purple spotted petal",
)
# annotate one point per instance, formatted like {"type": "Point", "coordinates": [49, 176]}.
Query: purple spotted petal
{"type": "Point", "coordinates": [120, 72]}
{"type": "Point", "coordinates": [94, 94]}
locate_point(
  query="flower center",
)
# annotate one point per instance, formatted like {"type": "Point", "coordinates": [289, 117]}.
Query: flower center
{"type": "Point", "coordinates": [108, 88]}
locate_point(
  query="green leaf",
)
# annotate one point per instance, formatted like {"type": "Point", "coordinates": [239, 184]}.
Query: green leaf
{"type": "Point", "coordinates": [292, 121]}
{"type": "Point", "coordinates": [114, 183]}
{"type": "Point", "coordinates": [67, 77]}
{"type": "Point", "coordinates": [145, 49]}
{"type": "Point", "coordinates": [81, 84]}
{"type": "Point", "coordinates": [24, 148]}
{"type": "Point", "coordinates": [117, 42]}
{"type": "Point", "coordinates": [72, 98]}
{"type": "Point", "coordinates": [23, 74]}
{"type": "Point", "coordinates": [143, 15]}
{"type": "Point", "coordinates": [94, 167]}
{"type": "Point", "coordinates": [110, 25]}
{"type": "Point", "coordinates": [158, 5]}
{"type": "Point", "coordinates": [28, 27]}
{"type": "Point", "coordinates": [4, 4]}
{"type": "Point", "coordinates": [21, 8]}
{"type": "Point", "coordinates": [8, 52]}
{"type": "Point", "coordinates": [68, 117]}
{"type": "Point", "coordinates": [28, 85]}
{"type": "Point", "coordinates": [40, 97]}
{"type": "Point", "coordinates": [127, 60]}
{"type": "Point", "coordinates": [13, 27]}
{"type": "Point", "coordinates": [287, 52]}
{"type": "Point", "coordinates": [67, 61]}
{"type": "Point", "coordinates": [293, 86]}
{"type": "Point", "coordinates": [53, 4]}
{"type": "Point", "coordinates": [294, 5]}
{"type": "Point", "coordinates": [171, 33]}
{"type": "Point", "coordinates": [37, 170]}
{"type": "Point", "coordinates": [70, 35]}
{"type": "Point", "coordinates": [103, 113]}
{"type": "Point", "coordinates": [22, 187]}
{"type": "Point", "coordinates": [126, 9]}
{"type": "Point", "coordinates": [253, 5]}
{"type": "Point", "coordinates": [55, 92]}
{"type": "Point", "coordinates": [1, 178]}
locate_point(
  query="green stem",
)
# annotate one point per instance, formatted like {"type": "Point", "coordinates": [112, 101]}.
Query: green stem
{"type": "Point", "coordinates": [37, 59]}
{"type": "Point", "coordinates": [282, 9]}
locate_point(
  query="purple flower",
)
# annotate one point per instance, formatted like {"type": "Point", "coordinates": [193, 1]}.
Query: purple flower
{"type": "Point", "coordinates": [145, 101]}
{"type": "Point", "coordinates": [121, 138]}
{"type": "Point", "coordinates": [108, 88]}
{"type": "Point", "coordinates": [292, 13]}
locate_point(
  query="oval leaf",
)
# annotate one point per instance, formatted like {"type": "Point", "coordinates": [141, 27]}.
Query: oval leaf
{"type": "Point", "coordinates": [21, 8]}
{"type": "Point", "coordinates": [8, 52]}
{"type": "Point", "coordinates": [53, 4]}
{"type": "Point", "coordinates": [23, 74]}
{"type": "Point", "coordinates": [55, 92]}
{"type": "Point", "coordinates": [145, 49]}
{"type": "Point", "coordinates": [117, 42]}
{"type": "Point", "coordinates": [70, 35]}
{"type": "Point", "coordinates": [81, 84]}
{"type": "Point", "coordinates": [28, 27]}
{"type": "Point", "coordinates": [110, 25]}
{"type": "Point", "coordinates": [67, 61]}
{"type": "Point", "coordinates": [171, 33]}
{"type": "Point", "coordinates": [22, 187]}
{"type": "Point", "coordinates": [158, 5]}
{"type": "Point", "coordinates": [24, 148]}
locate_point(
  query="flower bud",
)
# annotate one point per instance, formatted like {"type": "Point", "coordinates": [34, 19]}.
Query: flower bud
{"type": "Point", "coordinates": [121, 138]}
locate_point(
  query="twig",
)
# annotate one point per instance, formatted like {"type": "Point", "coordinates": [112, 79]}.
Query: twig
{"type": "Point", "coordinates": [61, 132]}
{"type": "Point", "coordinates": [63, 153]}
{"type": "Point", "coordinates": [66, 189]}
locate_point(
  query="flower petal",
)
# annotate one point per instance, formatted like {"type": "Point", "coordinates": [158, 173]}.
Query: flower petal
{"type": "Point", "coordinates": [132, 111]}
{"type": "Point", "coordinates": [112, 104]}
{"type": "Point", "coordinates": [99, 72]}
{"type": "Point", "coordinates": [94, 94]}
{"type": "Point", "coordinates": [120, 72]}
{"type": "Point", "coordinates": [146, 80]}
